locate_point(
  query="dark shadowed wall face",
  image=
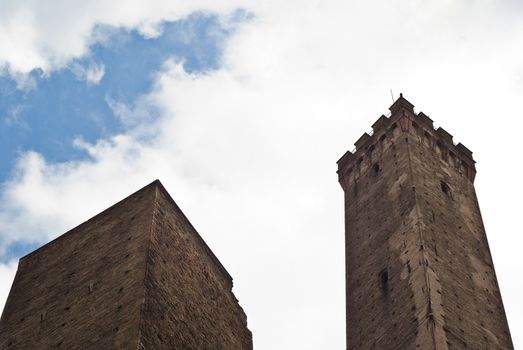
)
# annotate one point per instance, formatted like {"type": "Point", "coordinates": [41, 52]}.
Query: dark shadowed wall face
{"type": "Point", "coordinates": [418, 266]}
{"type": "Point", "coordinates": [189, 303]}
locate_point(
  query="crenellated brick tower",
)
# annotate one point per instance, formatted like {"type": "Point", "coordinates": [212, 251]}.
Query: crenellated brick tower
{"type": "Point", "coordinates": [419, 273]}
{"type": "Point", "coordinates": [136, 276]}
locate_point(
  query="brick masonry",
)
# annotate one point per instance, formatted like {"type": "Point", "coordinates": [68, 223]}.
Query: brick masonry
{"type": "Point", "coordinates": [136, 276]}
{"type": "Point", "coordinates": [419, 274]}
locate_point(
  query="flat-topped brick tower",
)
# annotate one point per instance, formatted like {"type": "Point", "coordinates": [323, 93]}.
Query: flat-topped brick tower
{"type": "Point", "coordinates": [419, 273]}
{"type": "Point", "coordinates": [136, 276]}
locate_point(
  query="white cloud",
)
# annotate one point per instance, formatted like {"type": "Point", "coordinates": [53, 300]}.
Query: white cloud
{"type": "Point", "coordinates": [14, 117]}
{"type": "Point", "coordinates": [92, 73]}
{"type": "Point", "coordinates": [7, 273]}
{"type": "Point", "coordinates": [249, 150]}
{"type": "Point", "coordinates": [24, 81]}
{"type": "Point", "coordinates": [139, 112]}
{"type": "Point", "coordinates": [48, 36]}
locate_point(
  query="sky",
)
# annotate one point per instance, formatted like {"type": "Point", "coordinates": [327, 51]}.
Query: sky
{"type": "Point", "coordinates": [241, 109]}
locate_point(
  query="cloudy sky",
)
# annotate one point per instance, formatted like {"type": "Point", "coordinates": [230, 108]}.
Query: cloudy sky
{"type": "Point", "coordinates": [241, 109]}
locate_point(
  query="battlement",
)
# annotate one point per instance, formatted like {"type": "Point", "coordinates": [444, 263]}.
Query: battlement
{"type": "Point", "coordinates": [403, 120]}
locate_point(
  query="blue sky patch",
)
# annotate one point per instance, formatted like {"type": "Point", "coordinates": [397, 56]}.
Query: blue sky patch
{"type": "Point", "coordinates": [63, 106]}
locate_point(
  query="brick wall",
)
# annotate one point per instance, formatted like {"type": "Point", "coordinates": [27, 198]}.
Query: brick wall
{"type": "Point", "coordinates": [136, 276]}
{"type": "Point", "coordinates": [187, 290]}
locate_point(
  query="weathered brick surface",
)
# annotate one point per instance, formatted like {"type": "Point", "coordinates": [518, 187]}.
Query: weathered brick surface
{"type": "Point", "coordinates": [187, 290]}
{"type": "Point", "coordinates": [132, 277]}
{"type": "Point", "coordinates": [418, 266]}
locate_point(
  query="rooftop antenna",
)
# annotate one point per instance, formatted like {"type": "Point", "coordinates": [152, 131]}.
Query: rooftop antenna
{"type": "Point", "coordinates": [391, 95]}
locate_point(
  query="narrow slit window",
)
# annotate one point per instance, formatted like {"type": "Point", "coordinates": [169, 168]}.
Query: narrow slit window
{"type": "Point", "coordinates": [384, 281]}
{"type": "Point", "coordinates": [376, 169]}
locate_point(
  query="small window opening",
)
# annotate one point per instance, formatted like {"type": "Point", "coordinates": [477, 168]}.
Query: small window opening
{"type": "Point", "coordinates": [382, 138]}
{"type": "Point", "coordinates": [370, 151]}
{"type": "Point", "coordinates": [427, 138]}
{"type": "Point", "coordinates": [445, 188]}
{"type": "Point", "coordinates": [358, 164]}
{"type": "Point", "coordinates": [442, 150]}
{"type": "Point", "coordinates": [376, 169]}
{"type": "Point", "coordinates": [384, 281]}
{"type": "Point", "coordinates": [464, 168]}
{"type": "Point", "coordinates": [393, 129]}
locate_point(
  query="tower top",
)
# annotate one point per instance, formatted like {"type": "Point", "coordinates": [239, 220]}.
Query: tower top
{"type": "Point", "coordinates": [404, 119]}
{"type": "Point", "coordinates": [400, 103]}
